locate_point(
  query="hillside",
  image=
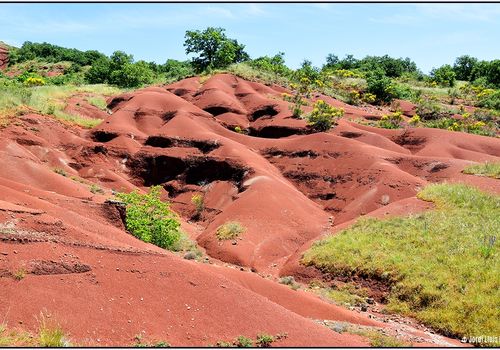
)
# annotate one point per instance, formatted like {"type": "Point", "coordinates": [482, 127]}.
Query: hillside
{"type": "Point", "coordinates": [287, 184]}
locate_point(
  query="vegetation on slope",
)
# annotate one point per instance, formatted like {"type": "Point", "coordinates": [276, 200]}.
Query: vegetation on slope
{"type": "Point", "coordinates": [370, 80]}
{"type": "Point", "coordinates": [442, 266]}
{"type": "Point", "coordinates": [486, 169]}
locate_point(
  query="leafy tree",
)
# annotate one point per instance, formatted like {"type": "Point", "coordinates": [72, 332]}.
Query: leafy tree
{"type": "Point", "coordinates": [99, 72]}
{"type": "Point", "coordinates": [332, 60]}
{"type": "Point", "coordinates": [214, 48]}
{"type": "Point", "coordinates": [464, 66]}
{"type": "Point", "coordinates": [307, 71]}
{"type": "Point", "coordinates": [444, 75]}
{"type": "Point", "coordinates": [132, 75]}
{"type": "Point", "coordinates": [150, 219]}
{"type": "Point", "coordinates": [119, 59]}
{"type": "Point", "coordinates": [177, 69]}
{"type": "Point", "coordinates": [275, 64]}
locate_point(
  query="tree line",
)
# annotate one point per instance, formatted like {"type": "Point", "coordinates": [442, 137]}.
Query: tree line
{"type": "Point", "coordinates": [213, 49]}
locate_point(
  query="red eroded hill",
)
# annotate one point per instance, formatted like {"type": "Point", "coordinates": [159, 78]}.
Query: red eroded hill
{"type": "Point", "coordinates": [287, 185]}
{"type": "Point", "coordinates": [4, 56]}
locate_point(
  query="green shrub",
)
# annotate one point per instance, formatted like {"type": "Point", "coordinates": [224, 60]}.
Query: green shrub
{"type": "Point", "coordinates": [199, 202]}
{"type": "Point", "coordinates": [243, 342]}
{"type": "Point", "coordinates": [490, 100]}
{"type": "Point", "coordinates": [380, 86]}
{"type": "Point", "coordinates": [229, 230]}
{"type": "Point", "coordinates": [264, 340]}
{"type": "Point", "coordinates": [150, 219]}
{"type": "Point", "coordinates": [391, 121]}
{"type": "Point", "coordinates": [323, 116]}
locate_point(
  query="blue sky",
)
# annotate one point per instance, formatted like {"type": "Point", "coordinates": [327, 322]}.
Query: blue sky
{"type": "Point", "coordinates": [430, 34]}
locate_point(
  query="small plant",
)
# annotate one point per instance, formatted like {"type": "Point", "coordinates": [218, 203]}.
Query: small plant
{"type": "Point", "coordinates": [51, 336]}
{"type": "Point", "coordinates": [229, 230]}
{"type": "Point", "coordinates": [415, 120]}
{"type": "Point", "coordinates": [198, 201]}
{"type": "Point", "coordinates": [34, 81]}
{"type": "Point", "coordinates": [391, 121]}
{"type": "Point", "coordinates": [323, 116]}
{"type": "Point", "coordinates": [20, 274]}
{"type": "Point", "coordinates": [96, 189]}
{"type": "Point", "coordinates": [61, 172]}
{"type": "Point", "coordinates": [238, 129]}
{"type": "Point", "coordinates": [289, 281]}
{"type": "Point", "coordinates": [150, 219]}
{"type": "Point", "coordinates": [369, 98]}
{"type": "Point", "coordinates": [264, 340]}
{"type": "Point", "coordinates": [223, 344]}
{"type": "Point", "coordinates": [243, 342]}
{"type": "Point", "coordinates": [488, 246]}
{"type": "Point", "coordinates": [162, 344]}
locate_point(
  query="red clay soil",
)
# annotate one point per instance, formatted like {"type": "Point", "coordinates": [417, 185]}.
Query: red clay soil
{"type": "Point", "coordinates": [287, 185]}
{"type": "Point", "coordinates": [4, 56]}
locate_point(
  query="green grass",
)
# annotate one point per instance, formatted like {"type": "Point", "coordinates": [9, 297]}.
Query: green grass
{"type": "Point", "coordinates": [16, 99]}
{"type": "Point", "coordinates": [14, 337]}
{"type": "Point", "coordinates": [347, 295]}
{"type": "Point", "coordinates": [98, 102]}
{"type": "Point", "coordinates": [485, 169]}
{"type": "Point", "coordinates": [442, 266]}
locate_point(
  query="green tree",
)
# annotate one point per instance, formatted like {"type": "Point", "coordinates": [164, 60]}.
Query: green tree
{"type": "Point", "coordinates": [444, 75]}
{"type": "Point", "coordinates": [100, 71]}
{"type": "Point", "coordinates": [132, 75]}
{"type": "Point", "coordinates": [463, 67]}
{"type": "Point", "coordinates": [214, 49]}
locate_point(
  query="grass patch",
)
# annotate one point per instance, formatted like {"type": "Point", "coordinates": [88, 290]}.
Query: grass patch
{"type": "Point", "coordinates": [485, 169]}
{"type": "Point", "coordinates": [14, 337]}
{"type": "Point", "coordinates": [98, 101]}
{"type": "Point", "coordinates": [229, 230]}
{"type": "Point", "coordinates": [347, 295]}
{"type": "Point", "coordinates": [442, 266]}
{"type": "Point", "coordinates": [17, 99]}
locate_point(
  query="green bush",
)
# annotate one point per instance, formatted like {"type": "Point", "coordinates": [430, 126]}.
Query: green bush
{"type": "Point", "coordinates": [491, 101]}
{"type": "Point", "coordinates": [264, 340]}
{"type": "Point", "coordinates": [391, 121]}
{"type": "Point", "coordinates": [323, 116]}
{"type": "Point", "coordinates": [243, 342]}
{"type": "Point", "coordinates": [150, 219]}
{"type": "Point", "coordinates": [444, 75]}
{"type": "Point", "coordinates": [229, 230]}
{"type": "Point", "coordinates": [380, 86]}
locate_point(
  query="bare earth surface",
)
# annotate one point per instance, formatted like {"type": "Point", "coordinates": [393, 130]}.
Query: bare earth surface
{"type": "Point", "coordinates": [286, 185]}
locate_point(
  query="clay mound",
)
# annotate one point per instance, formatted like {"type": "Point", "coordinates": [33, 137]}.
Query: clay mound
{"type": "Point", "coordinates": [4, 56]}
{"type": "Point", "coordinates": [78, 105]}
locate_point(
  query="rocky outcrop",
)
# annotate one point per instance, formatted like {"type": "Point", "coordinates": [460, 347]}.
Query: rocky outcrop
{"type": "Point", "coordinates": [4, 56]}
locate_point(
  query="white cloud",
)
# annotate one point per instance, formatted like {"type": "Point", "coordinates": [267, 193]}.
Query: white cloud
{"type": "Point", "coordinates": [461, 12]}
